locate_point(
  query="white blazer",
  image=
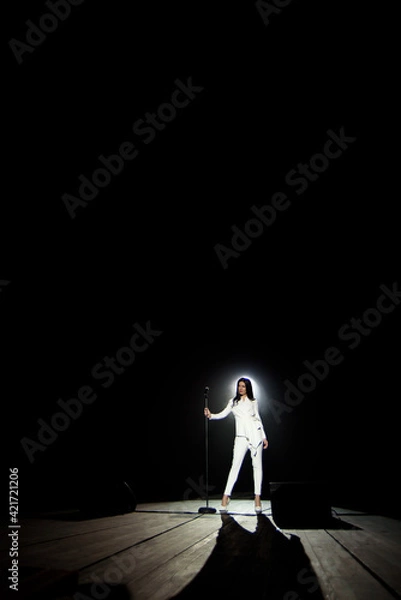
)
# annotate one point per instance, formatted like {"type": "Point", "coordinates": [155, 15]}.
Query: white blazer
{"type": "Point", "coordinates": [247, 421]}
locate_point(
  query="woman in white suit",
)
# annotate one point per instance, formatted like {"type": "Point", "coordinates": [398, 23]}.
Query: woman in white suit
{"type": "Point", "coordinates": [249, 435]}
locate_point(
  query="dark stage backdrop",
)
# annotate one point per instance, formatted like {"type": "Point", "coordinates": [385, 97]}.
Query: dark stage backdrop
{"type": "Point", "coordinates": [195, 193]}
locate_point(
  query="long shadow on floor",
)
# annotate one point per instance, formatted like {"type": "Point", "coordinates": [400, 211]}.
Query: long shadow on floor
{"type": "Point", "coordinates": [264, 564]}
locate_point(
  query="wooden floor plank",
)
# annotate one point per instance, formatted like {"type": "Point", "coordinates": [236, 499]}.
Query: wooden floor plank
{"type": "Point", "coordinates": [148, 556]}
{"type": "Point", "coordinates": [239, 506]}
{"type": "Point", "coordinates": [180, 571]}
{"type": "Point", "coordinates": [339, 575]}
{"type": "Point", "coordinates": [159, 549]}
{"type": "Point", "coordinates": [314, 552]}
{"type": "Point", "coordinates": [37, 530]}
{"type": "Point", "coordinates": [380, 556]}
{"type": "Point", "coordinates": [384, 527]}
{"type": "Point", "coordinates": [162, 567]}
{"type": "Point", "coordinates": [73, 553]}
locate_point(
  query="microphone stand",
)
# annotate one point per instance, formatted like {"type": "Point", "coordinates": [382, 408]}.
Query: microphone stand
{"type": "Point", "coordinates": [206, 509]}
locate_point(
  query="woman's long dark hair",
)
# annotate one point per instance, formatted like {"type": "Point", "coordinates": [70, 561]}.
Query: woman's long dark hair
{"type": "Point", "coordinates": [249, 391]}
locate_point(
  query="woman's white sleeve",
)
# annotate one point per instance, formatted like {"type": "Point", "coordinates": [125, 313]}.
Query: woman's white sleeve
{"type": "Point", "coordinates": [259, 419]}
{"type": "Point", "coordinates": [223, 414]}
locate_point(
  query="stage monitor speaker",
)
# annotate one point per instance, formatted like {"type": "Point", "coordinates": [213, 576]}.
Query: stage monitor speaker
{"type": "Point", "coordinates": [107, 498]}
{"type": "Point", "coordinates": [300, 504]}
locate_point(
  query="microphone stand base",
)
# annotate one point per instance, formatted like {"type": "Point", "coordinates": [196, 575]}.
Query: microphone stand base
{"type": "Point", "coordinates": [207, 510]}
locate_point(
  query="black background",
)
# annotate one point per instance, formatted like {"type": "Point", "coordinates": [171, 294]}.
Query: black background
{"type": "Point", "coordinates": [143, 249]}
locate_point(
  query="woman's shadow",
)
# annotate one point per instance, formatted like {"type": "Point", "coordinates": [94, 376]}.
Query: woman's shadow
{"type": "Point", "coordinates": [263, 564]}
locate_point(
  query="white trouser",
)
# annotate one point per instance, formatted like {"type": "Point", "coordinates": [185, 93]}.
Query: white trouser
{"type": "Point", "coordinates": [240, 448]}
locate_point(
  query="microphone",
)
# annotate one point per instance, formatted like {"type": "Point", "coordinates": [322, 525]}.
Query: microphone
{"type": "Point", "coordinates": [207, 389]}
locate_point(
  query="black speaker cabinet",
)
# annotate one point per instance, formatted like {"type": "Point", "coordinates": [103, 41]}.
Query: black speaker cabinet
{"type": "Point", "coordinates": [107, 498]}
{"type": "Point", "coordinates": [300, 504]}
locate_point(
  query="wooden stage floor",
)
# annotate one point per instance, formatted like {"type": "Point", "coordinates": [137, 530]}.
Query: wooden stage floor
{"type": "Point", "coordinates": [169, 550]}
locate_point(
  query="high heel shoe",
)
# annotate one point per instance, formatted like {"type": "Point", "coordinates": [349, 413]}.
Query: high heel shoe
{"type": "Point", "coordinates": [258, 509]}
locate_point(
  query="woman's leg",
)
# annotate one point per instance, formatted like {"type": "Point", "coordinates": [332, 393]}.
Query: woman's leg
{"type": "Point", "coordinates": [257, 473]}
{"type": "Point", "coordinates": [240, 449]}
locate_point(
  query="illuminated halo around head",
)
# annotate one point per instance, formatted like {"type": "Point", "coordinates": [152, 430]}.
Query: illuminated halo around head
{"type": "Point", "coordinates": [255, 386]}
